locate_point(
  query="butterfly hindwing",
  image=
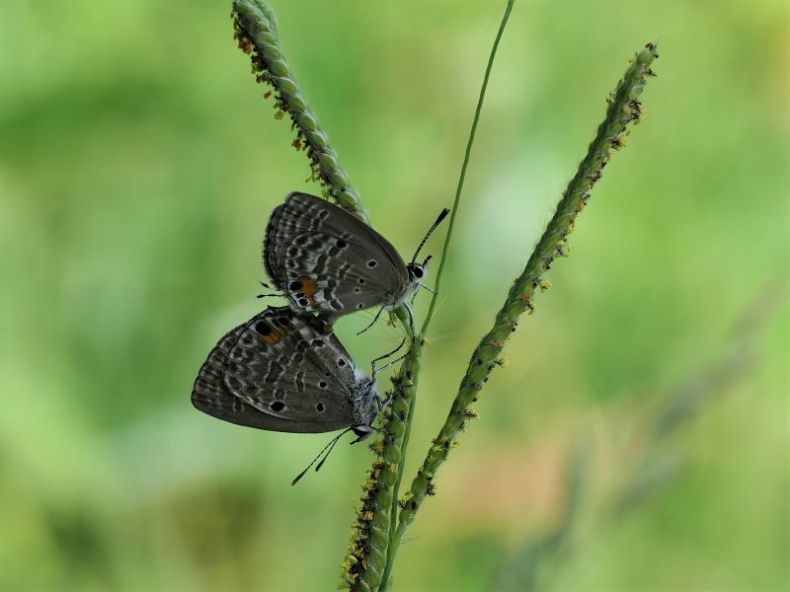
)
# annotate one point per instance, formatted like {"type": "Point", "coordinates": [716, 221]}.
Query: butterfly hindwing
{"type": "Point", "coordinates": [245, 375]}
{"type": "Point", "coordinates": [327, 260]}
{"type": "Point", "coordinates": [211, 395]}
{"type": "Point", "coordinates": [277, 366]}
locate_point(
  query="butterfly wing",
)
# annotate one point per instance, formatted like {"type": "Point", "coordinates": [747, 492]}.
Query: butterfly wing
{"type": "Point", "coordinates": [265, 374]}
{"type": "Point", "coordinates": [327, 260]}
{"type": "Point", "coordinates": [280, 366]}
{"type": "Point", "coordinates": [211, 396]}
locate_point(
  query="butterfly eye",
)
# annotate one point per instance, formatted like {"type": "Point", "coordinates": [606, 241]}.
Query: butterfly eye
{"type": "Point", "coordinates": [418, 272]}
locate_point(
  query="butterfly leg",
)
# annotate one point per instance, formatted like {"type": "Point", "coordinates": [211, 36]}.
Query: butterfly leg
{"type": "Point", "coordinates": [411, 320]}
{"type": "Point", "coordinates": [393, 362]}
{"type": "Point", "coordinates": [373, 322]}
{"type": "Point", "coordinates": [384, 357]}
{"type": "Point", "coordinates": [383, 404]}
{"type": "Point", "coordinates": [424, 287]}
{"type": "Point", "coordinates": [275, 294]}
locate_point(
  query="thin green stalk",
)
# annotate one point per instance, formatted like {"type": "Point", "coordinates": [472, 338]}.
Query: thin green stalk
{"type": "Point", "coordinates": [256, 31]}
{"type": "Point", "coordinates": [462, 176]}
{"type": "Point", "coordinates": [394, 539]}
{"type": "Point", "coordinates": [407, 398]}
{"type": "Point", "coordinates": [624, 110]}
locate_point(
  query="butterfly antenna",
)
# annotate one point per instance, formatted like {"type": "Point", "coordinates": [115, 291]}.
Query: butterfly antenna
{"type": "Point", "coordinates": [328, 452]}
{"type": "Point", "coordinates": [329, 446]}
{"type": "Point", "coordinates": [442, 216]}
{"type": "Point", "coordinates": [384, 357]}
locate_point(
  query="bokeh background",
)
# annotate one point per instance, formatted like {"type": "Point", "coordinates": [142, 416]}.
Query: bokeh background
{"type": "Point", "coordinates": [139, 164]}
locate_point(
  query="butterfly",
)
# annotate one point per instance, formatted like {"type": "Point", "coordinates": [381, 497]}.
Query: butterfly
{"type": "Point", "coordinates": [286, 372]}
{"type": "Point", "coordinates": [328, 261]}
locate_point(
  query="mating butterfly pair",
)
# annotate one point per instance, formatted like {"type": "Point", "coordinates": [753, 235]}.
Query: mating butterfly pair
{"type": "Point", "coordinates": [284, 370]}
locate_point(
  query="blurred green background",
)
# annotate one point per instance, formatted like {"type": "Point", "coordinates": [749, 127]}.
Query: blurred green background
{"type": "Point", "coordinates": [138, 167]}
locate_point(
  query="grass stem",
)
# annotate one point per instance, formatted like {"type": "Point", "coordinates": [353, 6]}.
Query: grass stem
{"type": "Point", "coordinates": [255, 29]}
{"type": "Point", "coordinates": [624, 110]}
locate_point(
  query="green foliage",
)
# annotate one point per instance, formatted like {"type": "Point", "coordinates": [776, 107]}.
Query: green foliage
{"type": "Point", "coordinates": [138, 165]}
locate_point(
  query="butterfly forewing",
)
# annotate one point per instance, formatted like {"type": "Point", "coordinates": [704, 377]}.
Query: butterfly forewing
{"type": "Point", "coordinates": [326, 260]}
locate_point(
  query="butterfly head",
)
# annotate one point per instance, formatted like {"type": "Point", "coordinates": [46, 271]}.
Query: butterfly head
{"type": "Point", "coordinates": [417, 271]}
{"type": "Point", "coordinates": [362, 432]}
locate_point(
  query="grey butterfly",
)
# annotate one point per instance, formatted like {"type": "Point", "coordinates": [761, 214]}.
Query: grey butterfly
{"type": "Point", "coordinates": [326, 260]}
{"type": "Point", "coordinates": [284, 371]}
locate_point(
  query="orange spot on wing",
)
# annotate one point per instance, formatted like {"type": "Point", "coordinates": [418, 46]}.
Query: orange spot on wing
{"type": "Point", "coordinates": [272, 337]}
{"type": "Point", "coordinates": [309, 288]}
{"type": "Point", "coordinates": [276, 334]}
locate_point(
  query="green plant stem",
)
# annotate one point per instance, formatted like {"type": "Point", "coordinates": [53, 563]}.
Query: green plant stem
{"type": "Point", "coordinates": [467, 154]}
{"type": "Point", "coordinates": [366, 560]}
{"type": "Point", "coordinates": [394, 540]}
{"type": "Point", "coordinates": [256, 31]}
{"type": "Point", "coordinates": [624, 109]}
{"type": "Point", "coordinates": [407, 398]}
